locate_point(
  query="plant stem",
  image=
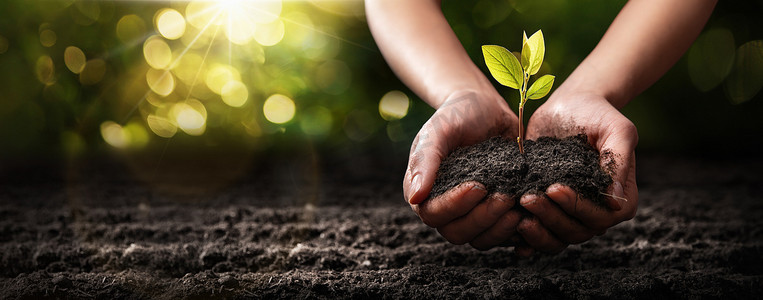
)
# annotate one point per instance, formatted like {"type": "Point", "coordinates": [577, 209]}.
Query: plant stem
{"type": "Point", "coordinates": [522, 100]}
{"type": "Point", "coordinates": [520, 137]}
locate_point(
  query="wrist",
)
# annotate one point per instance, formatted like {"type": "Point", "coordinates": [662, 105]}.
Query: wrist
{"type": "Point", "coordinates": [483, 97]}
{"type": "Point", "coordinates": [476, 85]}
{"type": "Point", "coordinates": [590, 79]}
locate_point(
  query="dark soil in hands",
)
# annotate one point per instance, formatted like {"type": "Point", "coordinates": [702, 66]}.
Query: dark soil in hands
{"type": "Point", "coordinates": [498, 165]}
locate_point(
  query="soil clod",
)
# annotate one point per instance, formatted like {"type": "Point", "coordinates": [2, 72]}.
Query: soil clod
{"type": "Point", "coordinates": [498, 164]}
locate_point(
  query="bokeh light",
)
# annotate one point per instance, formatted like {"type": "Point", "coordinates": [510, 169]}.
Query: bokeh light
{"type": "Point", "coordinates": [161, 126]}
{"type": "Point", "coordinates": [219, 75]}
{"type": "Point", "coordinates": [746, 80]}
{"type": "Point", "coordinates": [710, 58]}
{"type": "Point", "coordinates": [248, 73]}
{"type": "Point", "coordinates": [46, 71]}
{"type": "Point", "coordinates": [133, 135]}
{"type": "Point", "coordinates": [359, 125]}
{"type": "Point", "coordinates": [48, 38]}
{"type": "Point", "coordinates": [170, 24]}
{"type": "Point", "coordinates": [160, 81]}
{"type": "Point", "coordinates": [269, 34]}
{"type": "Point", "coordinates": [188, 68]}
{"type": "Point", "coordinates": [234, 93]}
{"type": "Point", "coordinates": [279, 109]}
{"type": "Point", "coordinates": [74, 59]}
{"type": "Point", "coordinates": [395, 132]}
{"type": "Point", "coordinates": [130, 28]}
{"type": "Point", "coordinates": [316, 121]}
{"type": "Point", "coordinates": [157, 53]}
{"type": "Point", "coordinates": [93, 72]}
{"type": "Point", "coordinates": [87, 12]}
{"type": "Point", "coordinates": [333, 77]}
{"type": "Point", "coordinates": [394, 105]}
{"type": "Point", "coordinates": [190, 116]}
{"type": "Point", "coordinates": [114, 134]}
{"type": "Point", "coordinates": [487, 13]}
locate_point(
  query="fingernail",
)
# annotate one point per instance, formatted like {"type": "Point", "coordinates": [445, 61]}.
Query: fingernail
{"type": "Point", "coordinates": [416, 186]}
{"type": "Point", "coordinates": [476, 193]}
{"type": "Point", "coordinates": [500, 197]}
{"type": "Point", "coordinates": [617, 195]}
{"type": "Point", "coordinates": [557, 189]}
{"type": "Point", "coordinates": [527, 200]}
{"type": "Point", "coordinates": [617, 189]}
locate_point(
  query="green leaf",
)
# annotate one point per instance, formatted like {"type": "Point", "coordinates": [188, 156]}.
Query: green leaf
{"type": "Point", "coordinates": [525, 55]}
{"type": "Point", "coordinates": [533, 51]}
{"type": "Point", "coordinates": [503, 65]}
{"type": "Point", "coordinates": [540, 87]}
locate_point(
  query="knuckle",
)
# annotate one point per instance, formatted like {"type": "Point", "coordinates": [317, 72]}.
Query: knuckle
{"type": "Point", "coordinates": [481, 222]}
{"type": "Point", "coordinates": [426, 219]}
{"type": "Point", "coordinates": [527, 226]}
{"type": "Point", "coordinates": [630, 129]}
{"type": "Point", "coordinates": [496, 206]}
{"type": "Point", "coordinates": [508, 224]}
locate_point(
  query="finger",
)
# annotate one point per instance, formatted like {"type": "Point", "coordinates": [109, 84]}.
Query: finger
{"type": "Point", "coordinates": [451, 205]}
{"type": "Point", "coordinates": [556, 220]}
{"type": "Point", "coordinates": [538, 237]}
{"type": "Point", "coordinates": [588, 213]}
{"type": "Point", "coordinates": [503, 230]}
{"type": "Point", "coordinates": [480, 218]}
{"type": "Point", "coordinates": [618, 158]}
{"type": "Point", "coordinates": [428, 149]}
{"type": "Point", "coordinates": [617, 146]}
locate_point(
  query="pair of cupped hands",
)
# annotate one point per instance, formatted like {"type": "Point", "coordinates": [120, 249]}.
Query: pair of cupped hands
{"type": "Point", "coordinates": [556, 219]}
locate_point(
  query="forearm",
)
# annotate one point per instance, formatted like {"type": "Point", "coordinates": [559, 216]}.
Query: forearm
{"type": "Point", "coordinates": [644, 41]}
{"type": "Point", "coordinates": [421, 48]}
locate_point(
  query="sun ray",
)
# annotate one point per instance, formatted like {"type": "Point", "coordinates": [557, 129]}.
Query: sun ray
{"type": "Point", "coordinates": [338, 38]}
{"type": "Point", "coordinates": [203, 61]}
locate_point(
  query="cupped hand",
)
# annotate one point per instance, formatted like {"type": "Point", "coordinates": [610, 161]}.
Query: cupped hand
{"type": "Point", "coordinates": [465, 213]}
{"type": "Point", "coordinates": [561, 217]}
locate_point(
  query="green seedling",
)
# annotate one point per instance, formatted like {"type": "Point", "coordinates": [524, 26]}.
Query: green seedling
{"type": "Point", "coordinates": [507, 70]}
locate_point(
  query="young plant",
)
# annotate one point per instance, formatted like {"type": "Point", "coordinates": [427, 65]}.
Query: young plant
{"type": "Point", "coordinates": [508, 71]}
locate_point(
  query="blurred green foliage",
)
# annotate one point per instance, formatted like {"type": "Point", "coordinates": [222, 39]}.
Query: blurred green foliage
{"type": "Point", "coordinates": [324, 63]}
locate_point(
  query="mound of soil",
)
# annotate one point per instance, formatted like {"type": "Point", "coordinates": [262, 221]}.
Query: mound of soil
{"type": "Point", "coordinates": [498, 164]}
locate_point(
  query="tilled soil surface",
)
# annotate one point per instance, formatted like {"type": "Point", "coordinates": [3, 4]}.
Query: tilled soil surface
{"type": "Point", "coordinates": [698, 233]}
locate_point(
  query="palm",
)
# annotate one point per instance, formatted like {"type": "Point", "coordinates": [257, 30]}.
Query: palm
{"type": "Point", "coordinates": [560, 219]}
{"type": "Point", "coordinates": [465, 213]}
{"type": "Point", "coordinates": [462, 120]}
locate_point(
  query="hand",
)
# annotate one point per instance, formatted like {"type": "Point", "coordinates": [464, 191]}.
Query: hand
{"type": "Point", "coordinates": [466, 213]}
{"type": "Point", "coordinates": [562, 218]}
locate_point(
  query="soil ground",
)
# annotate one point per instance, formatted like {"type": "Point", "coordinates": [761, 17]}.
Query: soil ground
{"type": "Point", "coordinates": [345, 232]}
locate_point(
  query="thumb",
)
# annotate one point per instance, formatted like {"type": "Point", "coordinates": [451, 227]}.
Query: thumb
{"type": "Point", "coordinates": [617, 155]}
{"type": "Point", "coordinates": [429, 149]}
